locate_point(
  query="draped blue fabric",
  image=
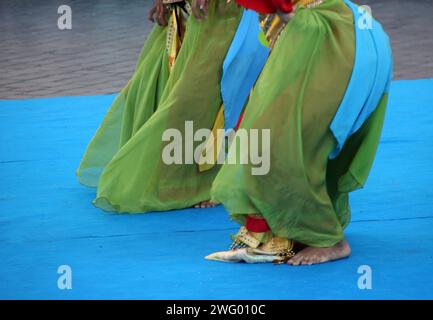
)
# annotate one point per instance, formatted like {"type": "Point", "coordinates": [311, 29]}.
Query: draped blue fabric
{"type": "Point", "coordinates": [370, 79]}
{"type": "Point", "coordinates": [244, 61]}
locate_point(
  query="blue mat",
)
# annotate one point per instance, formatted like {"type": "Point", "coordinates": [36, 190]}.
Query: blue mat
{"type": "Point", "coordinates": [47, 219]}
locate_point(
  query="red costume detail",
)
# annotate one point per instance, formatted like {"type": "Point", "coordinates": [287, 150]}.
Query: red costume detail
{"type": "Point", "coordinates": [257, 225]}
{"type": "Point", "coordinates": [267, 6]}
{"type": "Point", "coordinates": [240, 120]}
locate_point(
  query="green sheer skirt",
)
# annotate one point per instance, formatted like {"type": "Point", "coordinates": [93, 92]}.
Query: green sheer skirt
{"type": "Point", "coordinates": [304, 196]}
{"type": "Point", "coordinates": [136, 179]}
{"type": "Point", "coordinates": [132, 107]}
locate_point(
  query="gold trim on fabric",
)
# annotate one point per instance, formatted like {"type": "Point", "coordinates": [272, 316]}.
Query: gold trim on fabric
{"type": "Point", "coordinates": [308, 3]}
{"type": "Point", "coordinates": [213, 143]}
{"type": "Point", "coordinates": [175, 31]}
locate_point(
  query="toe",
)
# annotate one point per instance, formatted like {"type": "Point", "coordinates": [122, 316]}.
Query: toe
{"type": "Point", "coordinates": [296, 260]}
{"type": "Point", "coordinates": [315, 261]}
{"type": "Point", "coordinates": [291, 262]}
{"type": "Point", "coordinates": [294, 263]}
{"type": "Point", "coordinates": [321, 259]}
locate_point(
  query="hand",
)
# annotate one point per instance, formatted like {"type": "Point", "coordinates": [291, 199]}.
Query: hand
{"type": "Point", "coordinates": [200, 8]}
{"type": "Point", "coordinates": [158, 13]}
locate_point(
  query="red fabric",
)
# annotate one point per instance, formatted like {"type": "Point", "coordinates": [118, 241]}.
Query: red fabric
{"type": "Point", "coordinates": [257, 225]}
{"type": "Point", "coordinates": [267, 6]}
{"type": "Point", "coordinates": [240, 120]}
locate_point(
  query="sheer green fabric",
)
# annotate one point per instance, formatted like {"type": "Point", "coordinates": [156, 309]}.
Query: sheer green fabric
{"type": "Point", "coordinates": [304, 197]}
{"type": "Point", "coordinates": [132, 107]}
{"type": "Point", "coordinates": [137, 179]}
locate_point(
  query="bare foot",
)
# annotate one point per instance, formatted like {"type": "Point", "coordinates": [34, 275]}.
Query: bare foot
{"type": "Point", "coordinates": [206, 204]}
{"type": "Point", "coordinates": [312, 255]}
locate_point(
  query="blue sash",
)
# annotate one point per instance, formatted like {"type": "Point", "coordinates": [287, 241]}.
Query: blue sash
{"type": "Point", "coordinates": [243, 63]}
{"type": "Point", "coordinates": [370, 79]}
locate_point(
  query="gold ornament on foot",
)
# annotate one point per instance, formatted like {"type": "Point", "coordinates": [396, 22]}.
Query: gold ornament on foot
{"type": "Point", "coordinates": [246, 248]}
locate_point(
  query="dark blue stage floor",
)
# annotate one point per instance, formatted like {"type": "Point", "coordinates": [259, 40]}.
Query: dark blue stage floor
{"type": "Point", "coordinates": [47, 219]}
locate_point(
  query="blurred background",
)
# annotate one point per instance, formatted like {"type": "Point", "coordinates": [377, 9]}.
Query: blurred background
{"type": "Point", "coordinates": [98, 54]}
